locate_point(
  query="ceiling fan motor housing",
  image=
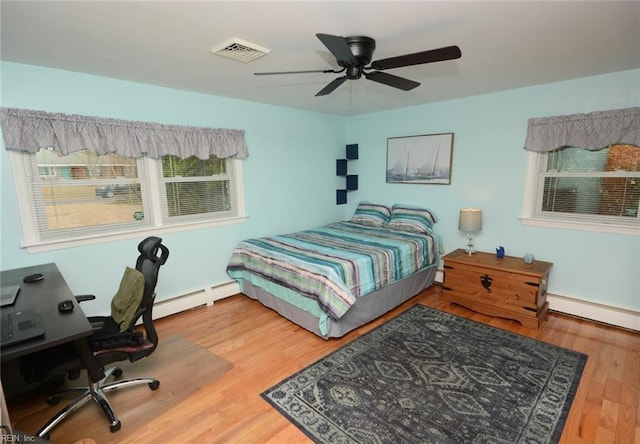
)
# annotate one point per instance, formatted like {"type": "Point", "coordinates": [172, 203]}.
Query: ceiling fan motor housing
{"type": "Point", "coordinates": [362, 49]}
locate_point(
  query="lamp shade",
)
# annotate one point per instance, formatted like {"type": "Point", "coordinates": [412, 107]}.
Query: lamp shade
{"type": "Point", "coordinates": [470, 220]}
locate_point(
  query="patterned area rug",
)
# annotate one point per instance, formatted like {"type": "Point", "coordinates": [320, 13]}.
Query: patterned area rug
{"type": "Point", "coordinates": [431, 377]}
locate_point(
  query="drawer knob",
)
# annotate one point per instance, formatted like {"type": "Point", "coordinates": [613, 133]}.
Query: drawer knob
{"type": "Point", "coordinates": [486, 281]}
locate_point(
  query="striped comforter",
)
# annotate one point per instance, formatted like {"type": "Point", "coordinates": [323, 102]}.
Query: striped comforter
{"type": "Point", "coordinates": [334, 264]}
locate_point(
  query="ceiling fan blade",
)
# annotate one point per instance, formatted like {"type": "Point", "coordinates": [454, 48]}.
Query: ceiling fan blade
{"type": "Point", "coordinates": [418, 58]}
{"type": "Point", "coordinates": [339, 48]}
{"type": "Point", "coordinates": [391, 80]}
{"type": "Point", "coordinates": [291, 72]}
{"type": "Point", "coordinates": [331, 86]}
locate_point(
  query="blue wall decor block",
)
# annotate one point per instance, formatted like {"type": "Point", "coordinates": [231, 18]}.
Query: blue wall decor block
{"type": "Point", "coordinates": [352, 151]}
{"type": "Point", "coordinates": [341, 197]}
{"type": "Point", "coordinates": [341, 167]}
{"type": "Point", "coordinates": [352, 182]}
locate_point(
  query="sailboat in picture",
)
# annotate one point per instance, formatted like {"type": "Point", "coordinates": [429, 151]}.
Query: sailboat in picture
{"type": "Point", "coordinates": [420, 159]}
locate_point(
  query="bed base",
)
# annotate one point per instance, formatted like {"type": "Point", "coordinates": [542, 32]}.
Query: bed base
{"type": "Point", "coordinates": [366, 309]}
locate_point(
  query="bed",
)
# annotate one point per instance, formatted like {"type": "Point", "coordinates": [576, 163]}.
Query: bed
{"type": "Point", "coordinates": [337, 277]}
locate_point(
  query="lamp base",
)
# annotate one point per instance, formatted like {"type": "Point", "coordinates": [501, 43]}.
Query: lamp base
{"type": "Point", "coordinates": [470, 249]}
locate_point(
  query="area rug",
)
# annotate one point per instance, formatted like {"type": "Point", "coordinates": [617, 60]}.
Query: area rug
{"type": "Point", "coordinates": [432, 377]}
{"type": "Point", "coordinates": [182, 368]}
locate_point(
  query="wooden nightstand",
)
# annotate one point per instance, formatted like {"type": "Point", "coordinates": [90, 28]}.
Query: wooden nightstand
{"type": "Point", "coordinates": [507, 287]}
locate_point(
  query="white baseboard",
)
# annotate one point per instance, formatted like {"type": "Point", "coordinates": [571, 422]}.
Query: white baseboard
{"type": "Point", "coordinates": [225, 290]}
{"type": "Point", "coordinates": [607, 314]}
{"type": "Point", "coordinates": [197, 298]}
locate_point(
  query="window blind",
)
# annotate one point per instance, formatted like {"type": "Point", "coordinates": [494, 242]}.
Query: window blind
{"type": "Point", "coordinates": [590, 186]}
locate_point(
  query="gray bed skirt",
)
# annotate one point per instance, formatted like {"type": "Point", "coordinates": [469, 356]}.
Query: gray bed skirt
{"type": "Point", "coordinates": [367, 308]}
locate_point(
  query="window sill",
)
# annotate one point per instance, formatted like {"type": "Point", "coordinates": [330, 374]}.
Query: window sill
{"type": "Point", "coordinates": [50, 245]}
{"type": "Point", "coordinates": [582, 226]}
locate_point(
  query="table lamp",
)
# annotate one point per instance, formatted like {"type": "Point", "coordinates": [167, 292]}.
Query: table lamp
{"type": "Point", "coordinates": [470, 222]}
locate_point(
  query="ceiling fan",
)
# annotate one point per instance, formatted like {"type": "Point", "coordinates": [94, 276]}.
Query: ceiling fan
{"type": "Point", "coordinates": [354, 53]}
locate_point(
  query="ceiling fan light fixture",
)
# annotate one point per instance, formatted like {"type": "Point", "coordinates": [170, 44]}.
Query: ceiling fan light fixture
{"type": "Point", "coordinates": [240, 50]}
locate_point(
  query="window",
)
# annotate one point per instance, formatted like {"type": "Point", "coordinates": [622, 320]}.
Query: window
{"type": "Point", "coordinates": [83, 178]}
{"type": "Point", "coordinates": [82, 195]}
{"type": "Point", "coordinates": [592, 189]}
{"type": "Point", "coordinates": [195, 187]}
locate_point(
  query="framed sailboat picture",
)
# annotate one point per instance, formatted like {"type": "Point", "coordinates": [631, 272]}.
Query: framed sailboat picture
{"type": "Point", "coordinates": [420, 159]}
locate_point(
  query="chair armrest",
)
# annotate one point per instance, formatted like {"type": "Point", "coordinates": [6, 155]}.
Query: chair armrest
{"type": "Point", "coordinates": [85, 297]}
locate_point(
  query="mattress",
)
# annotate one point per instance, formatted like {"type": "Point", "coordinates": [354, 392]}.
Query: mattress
{"type": "Point", "coordinates": [327, 270]}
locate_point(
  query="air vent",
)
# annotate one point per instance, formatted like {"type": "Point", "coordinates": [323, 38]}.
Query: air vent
{"type": "Point", "coordinates": [240, 50]}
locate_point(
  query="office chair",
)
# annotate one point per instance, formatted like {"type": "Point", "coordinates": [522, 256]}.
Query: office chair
{"type": "Point", "coordinates": [113, 342]}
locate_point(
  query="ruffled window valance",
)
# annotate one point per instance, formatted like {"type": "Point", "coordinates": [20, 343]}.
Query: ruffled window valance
{"type": "Point", "coordinates": [30, 130]}
{"type": "Point", "coordinates": [592, 131]}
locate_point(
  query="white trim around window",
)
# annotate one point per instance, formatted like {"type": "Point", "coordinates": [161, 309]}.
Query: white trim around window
{"type": "Point", "coordinates": [32, 243]}
{"type": "Point", "coordinates": [529, 216]}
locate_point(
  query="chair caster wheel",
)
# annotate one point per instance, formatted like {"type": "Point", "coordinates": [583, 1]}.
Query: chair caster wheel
{"type": "Point", "coordinates": [114, 428]}
{"type": "Point", "coordinates": [117, 373]}
{"type": "Point", "coordinates": [154, 385]}
{"type": "Point", "coordinates": [53, 400]}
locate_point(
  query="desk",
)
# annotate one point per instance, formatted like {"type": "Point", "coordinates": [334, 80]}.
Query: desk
{"type": "Point", "coordinates": [45, 295]}
{"type": "Point", "coordinates": [59, 328]}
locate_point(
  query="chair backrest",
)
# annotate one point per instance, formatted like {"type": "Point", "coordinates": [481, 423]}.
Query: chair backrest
{"type": "Point", "coordinates": [152, 256]}
{"type": "Point", "coordinates": [107, 342]}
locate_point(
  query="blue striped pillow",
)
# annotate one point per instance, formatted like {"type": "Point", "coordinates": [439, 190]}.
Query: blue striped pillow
{"type": "Point", "coordinates": [413, 219]}
{"type": "Point", "coordinates": [372, 215]}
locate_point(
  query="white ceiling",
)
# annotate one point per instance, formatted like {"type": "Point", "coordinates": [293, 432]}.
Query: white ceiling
{"type": "Point", "coordinates": [504, 45]}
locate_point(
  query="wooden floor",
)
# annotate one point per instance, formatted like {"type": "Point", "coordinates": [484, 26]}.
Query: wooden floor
{"type": "Point", "coordinates": [266, 348]}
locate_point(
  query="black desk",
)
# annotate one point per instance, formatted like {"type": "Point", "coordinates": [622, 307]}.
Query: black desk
{"type": "Point", "coordinates": [44, 295]}
{"type": "Point", "coordinates": [60, 328]}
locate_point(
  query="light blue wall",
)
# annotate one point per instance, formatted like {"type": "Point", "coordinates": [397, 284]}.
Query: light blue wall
{"type": "Point", "coordinates": [488, 172]}
{"type": "Point", "coordinates": [289, 176]}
